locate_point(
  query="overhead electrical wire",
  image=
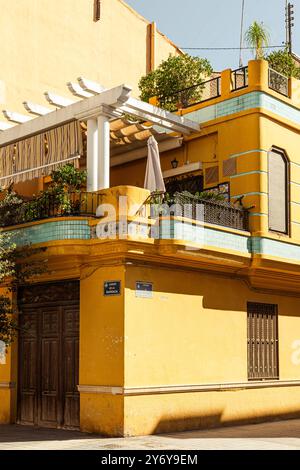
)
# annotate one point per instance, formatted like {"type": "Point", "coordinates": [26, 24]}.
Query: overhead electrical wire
{"type": "Point", "coordinates": [227, 48]}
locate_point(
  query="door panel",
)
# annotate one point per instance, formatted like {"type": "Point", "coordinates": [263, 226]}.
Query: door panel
{"type": "Point", "coordinates": [71, 410]}
{"type": "Point", "coordinates": [49, 382]}
{"type": "Point", "coordinates": [49, 355]}
{"type": "Point", "coordinates": [71, 365]}
{"type": "Point", "coordinates": [28, 379]}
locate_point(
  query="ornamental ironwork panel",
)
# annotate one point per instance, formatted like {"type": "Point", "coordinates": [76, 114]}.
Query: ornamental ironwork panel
{"type": "Point", "coordinates": [49, 293]}
{"type": "Point", "coordinates": [278, 82]}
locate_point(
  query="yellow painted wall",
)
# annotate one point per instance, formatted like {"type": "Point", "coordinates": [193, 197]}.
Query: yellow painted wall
{"type": "Point", "coordinates": [62, 36]}
{"type": "Point", "coordinates": [187, 411]}
{"type": "Point", "coordinates": [101, 348]}
{"type": "Point", "coordinates": [186, 335]}
{"type": "Point", "coordinates": [8, 376]}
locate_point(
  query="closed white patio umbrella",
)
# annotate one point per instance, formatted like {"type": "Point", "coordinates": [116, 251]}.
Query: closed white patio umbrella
{"type": "Point", "coordinates": [154, 180]}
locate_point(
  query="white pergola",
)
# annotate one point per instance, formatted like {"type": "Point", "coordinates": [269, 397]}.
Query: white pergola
{"type": "Point", "coordinates": [97, 110]}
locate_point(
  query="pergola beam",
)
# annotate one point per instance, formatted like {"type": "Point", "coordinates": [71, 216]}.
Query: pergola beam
{"type": "Point", "coordinates": [97, 111]}
{"type": "Point", "coordinates": [80, 110]}
{"type": "Point", "coordinates": [16, 117]}
{"type": "Point", "coordinates": [36, 109]}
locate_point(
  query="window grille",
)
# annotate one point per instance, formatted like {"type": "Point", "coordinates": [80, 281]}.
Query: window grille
{"type": "Point", "coordinates": [262, 320]}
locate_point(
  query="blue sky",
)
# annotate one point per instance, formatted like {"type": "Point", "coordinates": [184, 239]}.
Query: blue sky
{"type": "Point", "coordinates": [216, 23]}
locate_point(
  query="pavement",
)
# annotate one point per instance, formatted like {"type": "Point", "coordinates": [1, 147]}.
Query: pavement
{"type": "Point", "coordinates": [279, 435]}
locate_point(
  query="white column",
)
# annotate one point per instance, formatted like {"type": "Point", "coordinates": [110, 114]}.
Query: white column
{"type": "Point", "coordinates": [104, 152]}
{"type": "Point", "coordinates": [92, 155]}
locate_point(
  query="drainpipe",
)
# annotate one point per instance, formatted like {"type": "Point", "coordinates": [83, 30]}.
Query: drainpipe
{"type": "Point", "coordinates": [152, 46]}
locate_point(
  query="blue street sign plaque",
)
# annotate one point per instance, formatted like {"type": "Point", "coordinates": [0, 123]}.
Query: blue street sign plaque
{"type": "Point", "coordinates": [144, 289]}
{"type": "Point", "coordinates": [112, 288]}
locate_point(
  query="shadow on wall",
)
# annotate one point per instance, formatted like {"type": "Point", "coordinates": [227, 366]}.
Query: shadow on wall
{"type": "Point", "coordinates": [233, 292]}
{"type": "Point", "coordinates": [210, 426]}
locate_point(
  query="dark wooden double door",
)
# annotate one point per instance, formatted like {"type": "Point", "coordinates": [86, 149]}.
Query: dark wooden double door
{"type": "Point", "coordinates": [49, 355]}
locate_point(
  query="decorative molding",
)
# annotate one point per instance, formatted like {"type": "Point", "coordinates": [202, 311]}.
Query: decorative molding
{"type": "Point", "coordinates": [48, 293]}
{"type": "Point", "coordinates": [7, 385]}
{"type": "Point", "coordinates": [36, 109]}
{"type": "Point", "coordinates": [131, 391]}
{"type": "Point", "coordinates": [230, 167]}
{"type": "Point", "coordinates": [105, 389]}
{"type": "Point", "coordinates": [181, 170]}
{"type": "Point", "coordinates": [56, 100]}
{"type": "Point", "coordinates": [16, 117]}
{"type": "Point", "coordinates": [212, 175]}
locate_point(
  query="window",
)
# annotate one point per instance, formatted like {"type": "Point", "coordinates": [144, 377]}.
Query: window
{"type": "Point", "coordinates": [97, 10]}
{"type": "Point", "coordinates": [278, 191]}
{"type": "Point", "coordinates": [262, 323]}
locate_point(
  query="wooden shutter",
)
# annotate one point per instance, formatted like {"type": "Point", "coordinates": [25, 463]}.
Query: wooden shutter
{"type": "Point", "coordinates": [262, 323]}
{"type": "Point", "coordinates": [278, 192]}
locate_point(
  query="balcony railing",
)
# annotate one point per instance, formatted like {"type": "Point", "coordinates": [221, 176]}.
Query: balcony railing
{"type": "Point", "coordinates": [72, 204]}
{"type": "Point", "coordinates": [204, 210]}
{"type": "Point", "coordinates": [278, 82]}
{"type": "Point", "coordinates": [239, 78]}
{"type": "Point", "coordinates": [192, 95]}
{"type": "Point", "coordinates": [215, 212]}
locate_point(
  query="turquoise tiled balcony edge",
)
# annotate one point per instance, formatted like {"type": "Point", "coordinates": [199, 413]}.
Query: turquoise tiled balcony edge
{"type": "Point", "coordinates": [255, 99]}
{"type": "Point", "coordinates": [53, 230]}
{"type": "Point", "coordinates": [205, 235]}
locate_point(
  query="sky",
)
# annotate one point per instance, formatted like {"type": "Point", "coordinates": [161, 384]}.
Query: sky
{"type": "Point", "coordinates": [217, 23]}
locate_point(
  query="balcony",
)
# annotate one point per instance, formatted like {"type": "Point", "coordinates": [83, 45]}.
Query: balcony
{"type": "Point", "coordinates": [199, 93]}
{"type": "Point", "coordinates": [214, 212]}
{"type": "Point", "coordinates": [74, 217]}
{"type": "Point", "coordinates": [69, 204]}
{"type": "Point", "coordinates": [256, 76]}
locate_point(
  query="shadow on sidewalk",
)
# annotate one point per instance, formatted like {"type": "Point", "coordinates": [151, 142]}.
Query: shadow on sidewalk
{"type": "Point", "coordinates": [17, 433]}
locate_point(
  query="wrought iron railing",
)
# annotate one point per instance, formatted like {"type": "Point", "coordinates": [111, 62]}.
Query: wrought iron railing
{"type": "Point", "coordinates": [278, 82]}
{"type": "Point", "coordinates": [192, 95]}
{"type": "Point", "coordinates": [213, 211]}
{"type": "Point", "coordinates": [239, 78]}
{"type": "Point", "coordinates": [55, 205]}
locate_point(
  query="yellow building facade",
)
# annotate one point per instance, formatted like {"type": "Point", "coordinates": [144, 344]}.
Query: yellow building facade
{"type": "Point", "coordinates": [199, 325]}
{"type": "Point", "coordinates": [63, 36]}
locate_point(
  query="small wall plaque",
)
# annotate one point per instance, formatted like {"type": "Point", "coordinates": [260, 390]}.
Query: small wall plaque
{"type": "Point", "coordinates": [2, 353]}
{"type": "Point", "coordinates": [144, 289]}
{"type": "Point", "coordinates": [112, 288]}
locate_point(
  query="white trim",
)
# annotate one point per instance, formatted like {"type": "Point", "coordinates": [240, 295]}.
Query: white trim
{"type": "Point", "coordinates": [36, 109]}
{"type": "Point", "coordinates": [106, 389]}
{"type": "Point", "coordinates": [89, 86]}
{"type": "Point", "coordinates": [130, 391]}
{"type": "Point", "coordinates": [160, 116]}
{"type": "Point", "coordinates": [5, 125]}
{"type": "Point", "coordinates": [16, 117]}
{"type": "Point", "coordinates": [137, 154]}
{"type": "Point", "coordinates": [76, 89]}
{"type": "Point", "coordinates": [183, 169]}
{"type": "Point", "coordinates": [40, 167]}
{"type": "Point", "coordinates": [57, 100]}
{"type": "Point", "coordinates": [112, 103]}
{"type": "Point", "coordinates": [80, 110]}
{"type": "Point", "coordinates": [7, 385]}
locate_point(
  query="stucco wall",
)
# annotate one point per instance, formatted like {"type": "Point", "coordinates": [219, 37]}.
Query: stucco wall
{"type": "Point", "coordinates": [46, 43]}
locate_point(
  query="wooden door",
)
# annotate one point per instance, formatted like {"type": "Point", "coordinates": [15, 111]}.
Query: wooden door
{"type": "Point", "coordinates": [49, 355]}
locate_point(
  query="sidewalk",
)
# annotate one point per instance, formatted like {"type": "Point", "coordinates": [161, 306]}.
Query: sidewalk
{"type": "Point", "coordinates": [280, 435]}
